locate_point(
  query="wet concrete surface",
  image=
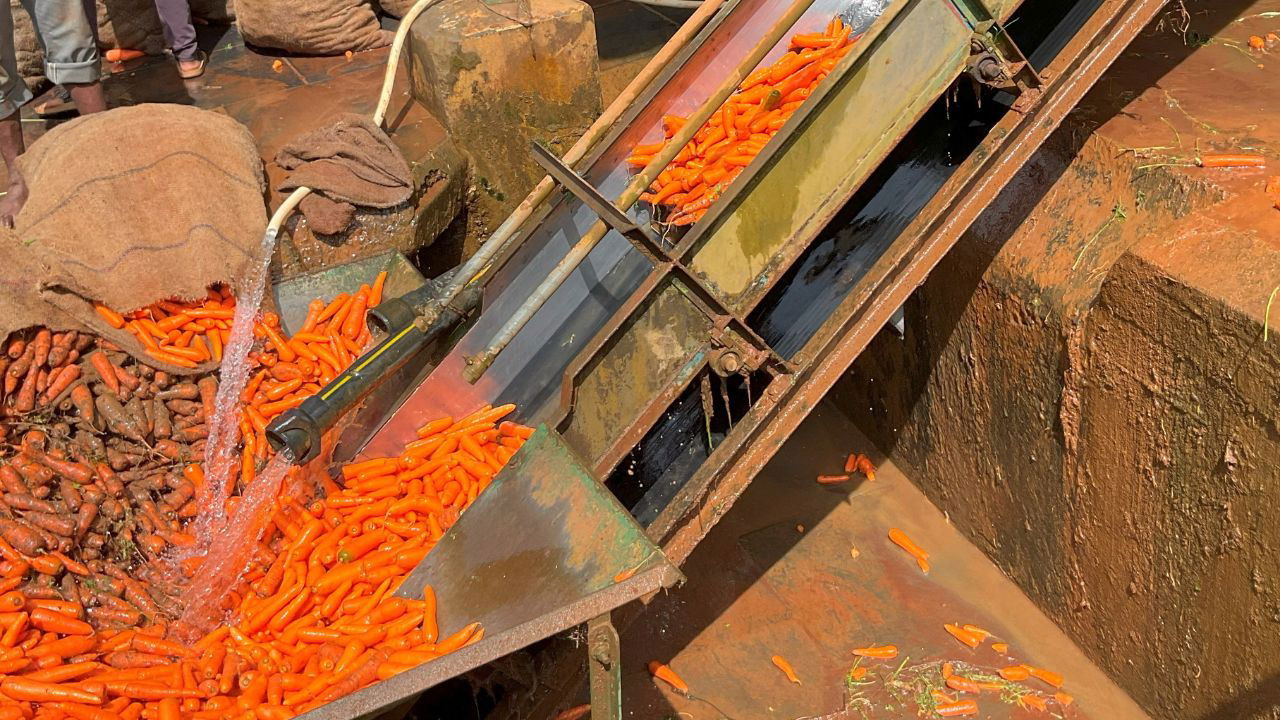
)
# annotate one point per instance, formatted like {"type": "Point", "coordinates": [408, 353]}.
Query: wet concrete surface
{"type": "Point", "coordinates": [778, 576]}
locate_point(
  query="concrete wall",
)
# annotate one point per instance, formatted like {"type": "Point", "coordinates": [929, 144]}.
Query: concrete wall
{"type": "Point", "coordinates": [1090, 399]}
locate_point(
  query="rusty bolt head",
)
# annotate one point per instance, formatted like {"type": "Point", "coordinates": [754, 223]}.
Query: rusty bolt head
{"type": "Point", "coordinates": [989, 69]}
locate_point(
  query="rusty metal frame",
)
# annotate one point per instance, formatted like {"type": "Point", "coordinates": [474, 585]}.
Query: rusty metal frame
{"type": "Point", "coordinates": [835, 345]}
{"type": "Point", "coordinates": [869, 305]}
{"type": "Point", "coordinates": [607, 142]}
{"type": "Point", "coordinates": [676, 262]}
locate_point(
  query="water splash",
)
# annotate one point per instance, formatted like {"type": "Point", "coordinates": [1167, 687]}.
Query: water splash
{"type": "Point", "coordinates": [220, 456]}
{"type": "Point", "coordinates": [237, 538]}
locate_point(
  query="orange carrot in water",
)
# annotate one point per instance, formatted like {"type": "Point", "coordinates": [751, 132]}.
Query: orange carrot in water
{"type": "Point", "coordinates": [879, 652]}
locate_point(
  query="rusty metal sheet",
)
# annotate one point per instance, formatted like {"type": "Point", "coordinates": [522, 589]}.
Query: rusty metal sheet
{"type": "Point", "coordinates": [662, 341]}
{"type": "Point", "coordinates": [536, 554]}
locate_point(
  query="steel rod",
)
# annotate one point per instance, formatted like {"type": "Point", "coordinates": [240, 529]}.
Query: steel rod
{"type": "Point", "coordinates": [478, 363]}
{"type": "Point", "coordinates": [476, 265]}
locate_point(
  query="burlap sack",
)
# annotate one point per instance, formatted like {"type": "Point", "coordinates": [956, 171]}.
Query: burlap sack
{"type": "Point", "coordinates": [131, 25]}
{"type": "Point", "coordinates": [214, 11]}
{"type": "Point", "coordinates": [30, 58]}
{"type": "Point", "coordinates": [127, 207]}
{"type": "Point", "coordinates": [396, 8]}
{"type": "Point", "coordinates": [318, 27]}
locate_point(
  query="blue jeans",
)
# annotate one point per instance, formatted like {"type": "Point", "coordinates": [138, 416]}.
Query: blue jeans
{"type": "Point", "coordinates": [67, 37]}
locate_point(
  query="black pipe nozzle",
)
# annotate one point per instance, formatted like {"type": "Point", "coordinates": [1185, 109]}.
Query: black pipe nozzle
{"type": "Point", "coordinates": [300, 429]}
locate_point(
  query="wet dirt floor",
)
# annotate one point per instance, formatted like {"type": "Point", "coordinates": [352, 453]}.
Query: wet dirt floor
{"type": "Point", "coordinates": [779, 575]}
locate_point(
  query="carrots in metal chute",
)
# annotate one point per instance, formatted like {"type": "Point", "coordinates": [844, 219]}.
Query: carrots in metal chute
{"type": "Point", "coordinates": [741, 128]}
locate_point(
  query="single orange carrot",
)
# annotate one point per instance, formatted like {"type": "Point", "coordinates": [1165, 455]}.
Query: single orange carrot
{"type": "Point", "coordinates": [1047, 676]}
{"type": "Point", "coordinates": [971, 639]}
{"type": "Point", "coordinates": [879, 652]}
{"type": "Point", "coordinates": [786, 668]}
{"type": "Point", "coordinates": [1015, 673]}
{"type": "Point", "coordinates": [1228, 160]}
{"type": "Point", "coordinates": [669, 676]}
{"type": "Point", "coordinates": [957, 709]}
{"type": "Point", "coordinates": [900, 539]}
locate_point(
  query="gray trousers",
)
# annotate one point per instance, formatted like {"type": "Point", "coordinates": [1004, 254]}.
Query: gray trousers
{"type": "Point", "coordinates": [65, 34]}
{"type": "Point", "coordinates": [179, 33]}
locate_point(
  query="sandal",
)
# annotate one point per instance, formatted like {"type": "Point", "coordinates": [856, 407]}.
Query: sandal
{"type": "Point", "coordinates": [195, 72]}
{"type": "Point", "coordinates": [59, 103]}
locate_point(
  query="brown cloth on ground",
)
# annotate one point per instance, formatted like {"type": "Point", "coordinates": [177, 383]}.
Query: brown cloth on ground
{"type": "Point", "coordinates": [127, 207]}
{"type": "Point", "coordinates": [350, 162]}
{"type": "Point", "coordinates": [317, 27]}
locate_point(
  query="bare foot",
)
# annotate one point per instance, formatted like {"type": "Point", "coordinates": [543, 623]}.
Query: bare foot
{"type": "Point", "coordinates": [12, 202]}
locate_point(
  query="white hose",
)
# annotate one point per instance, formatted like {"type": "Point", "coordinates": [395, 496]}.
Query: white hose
{"type": "Point", "coordinates": [393, 62]}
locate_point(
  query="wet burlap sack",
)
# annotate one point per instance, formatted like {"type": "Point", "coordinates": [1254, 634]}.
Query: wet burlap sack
{"type": "Point", "coordinates": [347, 163]}
{"type": "Point", "coordinates": [127, 207]}
{"type": "Point", "coordinates": [316, 27]}
{"type": "Point", "coordinates": [27, 47]}
{"type": "Point", "coordinates": [131, 25]}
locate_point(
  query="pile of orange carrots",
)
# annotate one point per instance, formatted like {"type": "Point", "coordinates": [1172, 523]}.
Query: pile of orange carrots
{"type": "Point", "coordinates": [181, 333]}
{"type": "Point", "coordinates": [291, 369]}
{"type": "Point", "coordinates": [742, 127]}
{"type": "Point", "coordinates": [316, 619]}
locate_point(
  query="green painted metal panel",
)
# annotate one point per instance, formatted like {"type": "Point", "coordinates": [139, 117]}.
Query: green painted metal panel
{"type": "Point", "coordinates": [821, 164]}
{"type": "Point", "coordinates": [666, 333]}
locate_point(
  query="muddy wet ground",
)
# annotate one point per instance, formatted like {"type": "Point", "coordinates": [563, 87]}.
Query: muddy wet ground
{"type": "Point", "coordinates": [778, 575]}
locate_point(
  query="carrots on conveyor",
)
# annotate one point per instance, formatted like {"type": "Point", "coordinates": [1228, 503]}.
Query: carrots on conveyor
{"type": "Point", "coordinates": [315, 619]}
{"type": "Point", "coordinates": [742, 127]}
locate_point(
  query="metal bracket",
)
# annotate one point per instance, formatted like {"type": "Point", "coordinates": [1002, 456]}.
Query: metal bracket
{"type": "Point", "coordinates": [604, 661]}
{"type": "Point", "coordinates": [611, 214]}
{"type": "Point", "coordinates": [995, 59]}
{"type": "Point", "coordinates": [734, 354]}
{"type": "Point", "coordinates": [749, 350]}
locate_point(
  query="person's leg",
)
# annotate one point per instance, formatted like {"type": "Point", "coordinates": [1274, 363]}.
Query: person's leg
{"type": "Point", "coordinates": [175, 16]}
{"type": "Point", "coordinates": [70, 52]}
{"type": "Point", "coordinates": [13, 95]}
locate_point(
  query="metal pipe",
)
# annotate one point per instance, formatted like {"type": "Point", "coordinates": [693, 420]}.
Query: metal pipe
{"type": "Point", "coordinates": [478, 363]}
{"type": "Point", "coordinates": [476, 265]}
{"type": "Point", "coordinates": [300, 428]}
{"type": "Point", "coordinates": [682, 4]}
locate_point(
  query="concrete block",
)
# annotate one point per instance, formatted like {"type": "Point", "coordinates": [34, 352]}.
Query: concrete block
{"type": "Point", "coordinates": [440, 178]}
{"type": "Point", "coordinates": [498, 86]}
